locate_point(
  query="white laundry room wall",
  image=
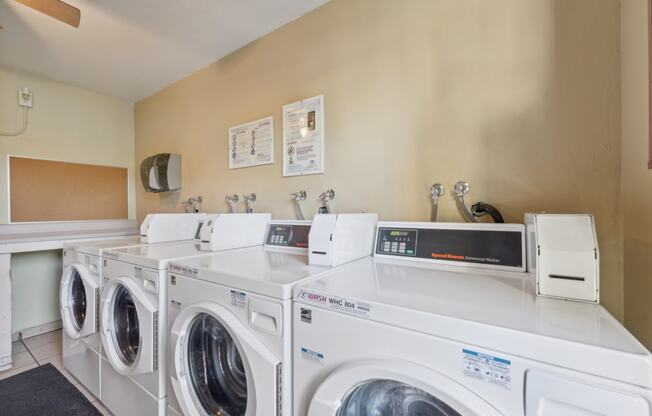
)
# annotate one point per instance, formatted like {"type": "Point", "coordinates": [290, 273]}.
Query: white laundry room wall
{"type": "Point", "coordinates": [67, 124]}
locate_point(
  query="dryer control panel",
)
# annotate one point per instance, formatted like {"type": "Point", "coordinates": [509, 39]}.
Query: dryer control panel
{"type": "Point", "coordinates": [288, 235]}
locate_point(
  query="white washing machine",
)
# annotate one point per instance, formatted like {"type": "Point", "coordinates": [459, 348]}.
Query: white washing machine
{"type": "Point", "coordinates": [231, 334]}
{"type": "Point", "coordinates": [79, 303]}
{"type": "Point", "coordinates": [81, 284]}
{"type": "Point", "coordinates": [134, 313]}
{"type": "Point", "coordinates": [443, 322]}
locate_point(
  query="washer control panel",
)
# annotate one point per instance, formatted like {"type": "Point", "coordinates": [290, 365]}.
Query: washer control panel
{"type": "Point", "coordinates": [288, 235]}
{"type": "Point", "coordinates": [490, 245]}
{"type": "Point", "coordinates": [399, 242]}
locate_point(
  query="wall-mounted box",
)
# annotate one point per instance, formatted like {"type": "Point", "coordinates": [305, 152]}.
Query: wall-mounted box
{"type": "Point", "coordinates": [563, 256]}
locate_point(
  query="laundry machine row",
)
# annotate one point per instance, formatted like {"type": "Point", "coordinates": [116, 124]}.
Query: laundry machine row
{"type": "Point", "coordinates": [442, 320]}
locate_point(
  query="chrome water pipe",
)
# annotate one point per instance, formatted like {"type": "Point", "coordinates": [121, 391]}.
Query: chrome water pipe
{"type": "Point", "coordinates": [326, 197]}
{"type": "Point", "coordinates": [298, 197]}
{"type": "Point", "coordinates": [232, 200]}
{"type": "Point", "coordinates": [436, 191]}
{"type": "Point", "coordinates": [192, 204]}
{"type": "Point", "coordinates": [460, 189]}
{"type": "Point", "coordinates": [250, 201]}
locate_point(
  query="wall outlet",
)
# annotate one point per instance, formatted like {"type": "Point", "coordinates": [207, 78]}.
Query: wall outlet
{"type": "Point", "coordinates": [25, 98]}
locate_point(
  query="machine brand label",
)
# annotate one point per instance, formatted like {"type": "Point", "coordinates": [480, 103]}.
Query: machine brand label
{"type": "Point", "coordinates": [310, 355]}
{"type": "Point", "coordinates": [306, 315]}
{"type": "Point", "coordinates": [349, 306]}
{"type": "Point", "coordinates": [238, 299]}
{"type": "Point", "coordinates": [487, 368]}
{"type": "Point", "coordinates": [185, 270]}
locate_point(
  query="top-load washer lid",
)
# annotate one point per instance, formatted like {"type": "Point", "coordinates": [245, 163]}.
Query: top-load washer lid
{"type": "Point", "coordinates": [155, 256]}
{"type": "Point", "coordinates": [95, 247]}
{"type": "Point", "coordinates": [493, 309]}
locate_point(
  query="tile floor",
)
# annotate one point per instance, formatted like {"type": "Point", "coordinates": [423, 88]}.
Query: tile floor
{"type": "Point", "coordinates": [46, 348]}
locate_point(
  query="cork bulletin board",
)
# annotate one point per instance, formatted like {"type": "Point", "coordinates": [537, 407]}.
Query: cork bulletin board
{"type": "Point", "coordinates": [45, 190]}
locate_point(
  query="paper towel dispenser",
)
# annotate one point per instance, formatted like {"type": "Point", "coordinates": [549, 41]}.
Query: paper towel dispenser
{"type": "Point", "coordinates": [161, 172]}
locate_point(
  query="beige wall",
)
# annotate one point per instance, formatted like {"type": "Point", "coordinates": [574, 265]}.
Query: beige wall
{"type": "Point", "coordinates": [520, 98]}
{"type": "Point", "coordinates": [68, 124]}
{"type": "Point", "coordinates": [637, 179]}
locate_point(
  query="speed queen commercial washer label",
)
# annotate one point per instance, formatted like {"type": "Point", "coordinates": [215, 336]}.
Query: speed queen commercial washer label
{"type": "Point", "coordinates": [487, 368]}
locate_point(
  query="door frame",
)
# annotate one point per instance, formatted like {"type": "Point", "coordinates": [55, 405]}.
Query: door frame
{"type": "Point", "coordinates": [343, 380]}
{"type": "Point", "coordinates": [91, 290]}
{"type": "Point", "coordinates": [147, 312]}
{"type": "Point", "coordinates": [256, 357]}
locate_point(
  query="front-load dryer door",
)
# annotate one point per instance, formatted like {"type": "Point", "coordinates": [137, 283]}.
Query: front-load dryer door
{"type": "Point", "coordinates": [129, 327]}
{"type": "Point", "coordinates": [79, 300]}
{"type": "Point", "coordinates": [397, 388]}
{"type": "Point", "coordinates": [218, 367]}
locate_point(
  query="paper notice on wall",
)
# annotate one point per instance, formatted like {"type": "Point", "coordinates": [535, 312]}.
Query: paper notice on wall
{"type": "Point", "coordinates": [303, 137]}
{"type": "Point", "coordinates": [251, 144]}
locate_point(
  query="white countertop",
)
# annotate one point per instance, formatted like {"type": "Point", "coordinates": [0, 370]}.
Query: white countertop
{"type": "Point", "coordinates": [25, 237]}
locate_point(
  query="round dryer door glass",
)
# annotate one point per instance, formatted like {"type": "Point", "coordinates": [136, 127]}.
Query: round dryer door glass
{"type": "Point", "coordinates": [217, 372]}
{"type": "Point", "coordinates": [389, 397]}
{"type": "Point", "coordinates": [77, 299]}
{"type": "Point", "coordinates": [126, 328]}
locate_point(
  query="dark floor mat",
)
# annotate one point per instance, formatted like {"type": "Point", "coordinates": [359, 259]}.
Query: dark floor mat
{"type": "Point", "coordinates": [42, 391]}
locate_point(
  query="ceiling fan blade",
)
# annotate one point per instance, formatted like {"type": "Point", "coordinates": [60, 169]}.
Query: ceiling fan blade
{"type": "Point", "coordinates": [57, 9]}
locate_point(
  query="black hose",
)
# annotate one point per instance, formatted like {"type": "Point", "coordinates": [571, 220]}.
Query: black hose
{"type": "Point", "coordinates": [482, 208]}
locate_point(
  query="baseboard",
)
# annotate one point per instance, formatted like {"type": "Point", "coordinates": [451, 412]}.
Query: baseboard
{"type": "Point", "coordinates": [37, 330]}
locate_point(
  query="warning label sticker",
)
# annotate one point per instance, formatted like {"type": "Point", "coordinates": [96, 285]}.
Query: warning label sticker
{"type": "Point", "coordinates": [336, 303]}
{"type": "Point", "coordinates": [310, 355]}
{"type": "Point", "coordinates": [487, 368]}
{"type": "Point", "coordinates": [238, 299]}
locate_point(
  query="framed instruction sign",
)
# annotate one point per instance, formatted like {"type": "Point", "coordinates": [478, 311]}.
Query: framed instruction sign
{"type": "Point", "coordinates": [303, 137]}
{"type": "Point", "coordinates": [251, 144]}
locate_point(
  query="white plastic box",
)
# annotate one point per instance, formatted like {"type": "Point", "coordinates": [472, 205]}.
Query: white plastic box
{"type": "Point", "coordinates": [563, 256]}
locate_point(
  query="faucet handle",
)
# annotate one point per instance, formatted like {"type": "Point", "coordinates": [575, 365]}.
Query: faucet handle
{"type": "Point", "coordinates": [299, 195]}
{"type": "Point", "coordinates": [327, 195]}
{"type": "Point", "coordinates": [437, 191]}
{"type": "Point", "coordinates": [461, 188]}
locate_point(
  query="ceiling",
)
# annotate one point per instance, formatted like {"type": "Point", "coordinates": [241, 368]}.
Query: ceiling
{"type": "Point", "coordinates": [130, 49]}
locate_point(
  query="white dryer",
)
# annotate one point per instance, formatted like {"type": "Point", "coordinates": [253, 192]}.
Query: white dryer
{"type": "Point", "coordinates": [442, 321]}
{"type": "Point", "coordinates": [79, 302]}
{"type": "Point", "coordinates": [134, 314]}
{"type": "Point", "coordinates": [231, 334]}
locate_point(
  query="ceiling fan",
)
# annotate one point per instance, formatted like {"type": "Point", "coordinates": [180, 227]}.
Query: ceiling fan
{"type": "Point", "coordinates": [57, 9]}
